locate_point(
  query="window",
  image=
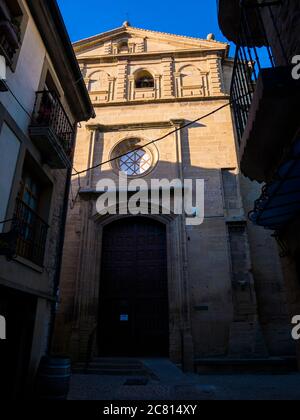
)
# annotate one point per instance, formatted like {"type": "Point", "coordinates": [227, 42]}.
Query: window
{"type": "Point", "coordinates": [123, 47]}
{"type": "Point", "coordinates": [144, 80]}
{"type": "Point", "coordinates": [136, 162]}
{"type": "Point", "coordinates": [30, 191]}
{"type": "Point", "coordinates": [131, 157]}
{"type": "Point", "coordinates": [9, 152]}
{"type": "Point", "coordinates": [31, 228]}
{"type": "Point", "coordinates": [11, 29]}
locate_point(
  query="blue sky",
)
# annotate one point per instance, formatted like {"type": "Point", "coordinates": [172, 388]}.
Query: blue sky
{"type": "Point", "coordinates": [192, 18]}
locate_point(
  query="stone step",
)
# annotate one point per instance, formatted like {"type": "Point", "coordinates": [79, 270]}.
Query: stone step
{"type": "Point", "coordinates": [109, 365]}
{"type": "Point", "coordinates": [113, 367]}
{"type": "Point", "coordinates": [273, 365]}
{"type": "Point", "coordinates": [110, 372]}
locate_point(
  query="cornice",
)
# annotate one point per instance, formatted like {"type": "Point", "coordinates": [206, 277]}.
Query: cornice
{"type": "Point", "coordinates": [113, 58]}
{"type": "Point", "coordinates": [134, 126]}
{"type": "Point", "coordinates": [161, 100]}
{"type": "Point", "coordinates": [91, 41]}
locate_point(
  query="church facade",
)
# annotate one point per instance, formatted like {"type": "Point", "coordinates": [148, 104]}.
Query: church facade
{"type": "Point", "coordinates": [152, 285]}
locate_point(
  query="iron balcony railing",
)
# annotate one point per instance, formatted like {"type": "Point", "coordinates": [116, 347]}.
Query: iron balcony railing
{"type": "Point", "coordinates": [31, 231]}
{"type": "Point", "coordinates": [250, 59]}
{"type": "Point", "coordinates": [10, 33]}
{"type": "Point", "coordinates": [49, 113]}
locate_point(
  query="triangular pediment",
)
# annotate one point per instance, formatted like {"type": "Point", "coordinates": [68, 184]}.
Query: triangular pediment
{"type": "Point", "coordinates": [147, 42]}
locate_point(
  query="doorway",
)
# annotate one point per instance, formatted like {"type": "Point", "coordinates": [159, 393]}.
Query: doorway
{"type": "Point", "coordinates": [133, 307]}
{"type": "Point", "coordinates": [19, 310]}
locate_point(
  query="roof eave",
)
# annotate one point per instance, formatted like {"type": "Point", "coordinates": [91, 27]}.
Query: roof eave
{"type": "Point", "coordinates": [52, 29]}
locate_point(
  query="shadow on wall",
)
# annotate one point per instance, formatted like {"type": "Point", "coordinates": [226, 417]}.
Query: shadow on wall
{"type": "Point", "coordinates": [229, 262]}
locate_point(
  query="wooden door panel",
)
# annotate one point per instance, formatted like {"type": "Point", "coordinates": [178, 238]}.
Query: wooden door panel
{"type": "Point", "coordinates": [134, 286]}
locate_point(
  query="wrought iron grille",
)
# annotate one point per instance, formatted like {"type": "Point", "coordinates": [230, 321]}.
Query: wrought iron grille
{"type": "Point", "coordinates": [49, 113]}
{"type": "Point", "coordinates": [136, 162]}
{"type": "Point", "coordinates": [251, 59]}
{"type": "Point", "coordinates": [31, 233]}
{"type": "Point", "coordinates": [9, 32]}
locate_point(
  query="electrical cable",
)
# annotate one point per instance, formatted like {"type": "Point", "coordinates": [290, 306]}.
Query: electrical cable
{"type": "Point", "coordinates": [78, 173]}
{"type": "Point", "coordinates": [17, 100]}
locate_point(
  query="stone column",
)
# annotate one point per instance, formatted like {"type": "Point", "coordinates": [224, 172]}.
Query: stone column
{"type": "Point", "coordinates": [168, 81]}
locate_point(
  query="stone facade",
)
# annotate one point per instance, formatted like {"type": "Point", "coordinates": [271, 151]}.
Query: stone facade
{"type": "Point", "coordinates": [224, 277]}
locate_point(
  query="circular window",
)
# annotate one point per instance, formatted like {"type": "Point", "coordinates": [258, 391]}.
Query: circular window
{"type": "Point", "coordinates": [132, 158]}
{"type": "Point", "coordinates": [136, 163]}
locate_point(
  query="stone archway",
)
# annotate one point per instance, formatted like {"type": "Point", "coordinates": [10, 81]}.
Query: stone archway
{"type": "Point", "coordinates": [88, 286]}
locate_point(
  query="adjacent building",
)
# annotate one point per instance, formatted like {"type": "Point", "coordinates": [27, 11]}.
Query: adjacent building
{"type": "Point", "coordinates": [42, 99]}
{"type": "Point", "coordinates": [266, 94]}
{"type": "Point", "coordinates": [152, 285]}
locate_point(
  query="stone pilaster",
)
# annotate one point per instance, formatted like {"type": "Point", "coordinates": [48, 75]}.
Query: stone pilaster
{"type": "Point", "coordinates": [178, 91]}
{"type": "Point", "coordinates": [246, 338]}
{"type": "Point", "coordinates": [157, 81]}
{"type": "Point", "coordinates": [131, 95]}
{"type": "Point", "coordinates": [111, 88]}
{"type": "Point", "coordinates": [121, 87]}
{"type": "Point", "coordinates": [216, 83]}
{"type": "Point", "coordinates": [168, 81]}
{"type": "Point", "coordinates": [108, 48]}
{"type": "Point", "coordinates": [140, 46]}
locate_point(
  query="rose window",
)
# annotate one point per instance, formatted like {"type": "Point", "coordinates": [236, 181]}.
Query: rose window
{"type": "Point", "coordinates": [136, 162]}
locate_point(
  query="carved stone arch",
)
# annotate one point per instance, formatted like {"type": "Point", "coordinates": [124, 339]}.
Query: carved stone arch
{"type": "Point", "coordinates": [86, 302]}
{"type": "Point", "coordinates": [101, 85]}
{"type": "Point", "coordinates": [190, 75]}
{"type": "Point", "coordinates": [192, 81]}
{"type": "Point", "coordinates": [179, 326]}
{"type": "Point", "coordinates": [98, 80]}
{"type": "Point", "coordinates": [146, 69]}
{"type": "Point", "coordinates": [144, 78]}
{"type": "Point", "coordinates": [122, 45]}
{"type": "Point", "coordinates": [190, 65]}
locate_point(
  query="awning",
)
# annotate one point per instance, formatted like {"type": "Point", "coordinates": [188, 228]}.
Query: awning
{"type": "Point", "coordinates": [280, 199]}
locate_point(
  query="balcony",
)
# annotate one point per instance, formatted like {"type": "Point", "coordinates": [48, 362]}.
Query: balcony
{"type": "Point", "coordinates": [51, 130]}
{"type": "Point", "coordinates": [280, 199]}
{"type": "Point", "coordinates": [31, 232]}
{"type": "Point", "coordinates": [9, 30]}
{"type": "Point", "coordinates": [265, 100]}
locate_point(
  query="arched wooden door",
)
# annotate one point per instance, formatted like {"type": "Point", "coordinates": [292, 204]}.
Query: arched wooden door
{"type": "Point", "coordinates": [133, 307]}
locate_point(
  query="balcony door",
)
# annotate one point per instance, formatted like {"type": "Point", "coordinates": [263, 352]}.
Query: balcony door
{"type": "Point", "coordinates": [133, 309]}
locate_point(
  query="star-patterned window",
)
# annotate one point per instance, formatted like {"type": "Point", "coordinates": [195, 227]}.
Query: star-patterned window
{"type": "Point", "coordinates": [134, 156]}
{"type": "Point", "coordinates": [136, 162]}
